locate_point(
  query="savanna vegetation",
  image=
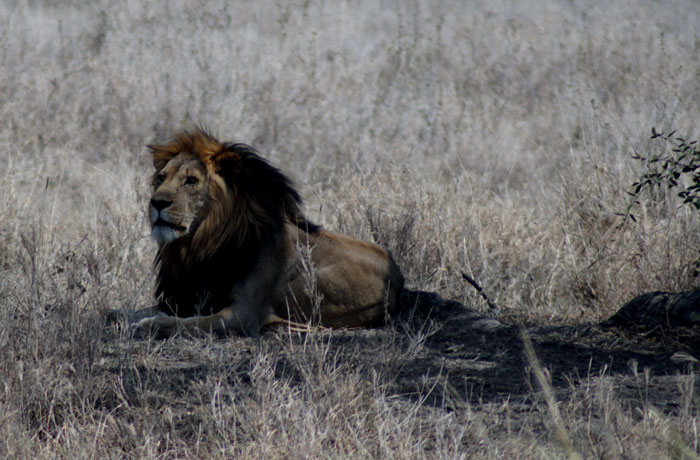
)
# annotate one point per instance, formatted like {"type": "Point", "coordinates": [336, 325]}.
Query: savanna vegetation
{"type": "Point", "coordinates": [500, 139]}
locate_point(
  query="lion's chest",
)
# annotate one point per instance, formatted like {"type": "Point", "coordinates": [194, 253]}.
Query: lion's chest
{"type": "Point", "coordinates": [197, 292]}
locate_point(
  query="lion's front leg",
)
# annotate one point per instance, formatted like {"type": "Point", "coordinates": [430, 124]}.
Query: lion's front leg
{"type": "Point", "coordinates": [235, 319]}
{"type": "Point", "coordinates": [231, 320]}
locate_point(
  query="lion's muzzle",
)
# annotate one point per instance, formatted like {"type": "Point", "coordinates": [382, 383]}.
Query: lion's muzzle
{"type": "Point", "coordinates": [164, 230]}
{"type": "Point", "coordinates": [159, 205]}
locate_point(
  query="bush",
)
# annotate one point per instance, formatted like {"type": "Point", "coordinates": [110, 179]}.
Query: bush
{"type": "Point", "coordinates": [676, 167]}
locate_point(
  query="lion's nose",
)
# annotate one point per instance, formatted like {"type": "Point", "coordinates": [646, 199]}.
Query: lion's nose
{"type": "Point", "coordinates": [160, 204]}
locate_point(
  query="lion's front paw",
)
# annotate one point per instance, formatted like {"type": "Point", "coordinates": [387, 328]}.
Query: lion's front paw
{"type": "Point", "coordinates": [156, 326]}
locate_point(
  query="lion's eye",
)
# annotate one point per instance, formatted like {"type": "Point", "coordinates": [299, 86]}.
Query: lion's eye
{"type": "Point", "coordinates": [191, 180]}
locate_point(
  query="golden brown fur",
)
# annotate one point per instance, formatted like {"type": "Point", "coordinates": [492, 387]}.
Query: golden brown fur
{"type": "Point", "coordinates": [236, 253]}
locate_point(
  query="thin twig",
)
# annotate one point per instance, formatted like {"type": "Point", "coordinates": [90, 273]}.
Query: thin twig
{"type": "Point", "coordinates": [480, 290]}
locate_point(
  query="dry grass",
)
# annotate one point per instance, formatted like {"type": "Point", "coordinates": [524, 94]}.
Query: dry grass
{"type": "Point", "coordinates": [493, 138]}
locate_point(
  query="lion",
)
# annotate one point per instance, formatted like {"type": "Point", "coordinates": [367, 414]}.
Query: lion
{"type": "Point", "coordinates": [236, 254]}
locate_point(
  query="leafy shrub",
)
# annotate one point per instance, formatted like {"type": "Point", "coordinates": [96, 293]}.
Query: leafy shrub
{"type": "Point", "coordinates": [676, 167]}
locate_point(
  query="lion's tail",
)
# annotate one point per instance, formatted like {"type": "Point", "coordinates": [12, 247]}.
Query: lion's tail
{"type": "Point", "coordinates": [429, 304]}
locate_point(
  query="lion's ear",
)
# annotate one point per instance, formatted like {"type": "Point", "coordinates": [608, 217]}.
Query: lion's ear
{"type": "Point", "coordinates": [227, 164]}
{"type": "Point", "coordinates": [159, 164]}
{"type": "Point", "coordinates": [160, 156]}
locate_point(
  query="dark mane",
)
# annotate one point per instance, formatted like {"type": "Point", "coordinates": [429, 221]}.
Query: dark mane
{"type": "Point", "coordinates": [265, 185]}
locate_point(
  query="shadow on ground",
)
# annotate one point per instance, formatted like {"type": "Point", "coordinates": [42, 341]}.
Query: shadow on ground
{"type": "Point", "coordinates": [483, 361]}
{"type": "Point", "coordinates": [464, 358]}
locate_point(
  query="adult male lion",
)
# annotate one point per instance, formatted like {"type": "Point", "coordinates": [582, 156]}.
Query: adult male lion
{"type": "Point", "coordinates": [235, 252]}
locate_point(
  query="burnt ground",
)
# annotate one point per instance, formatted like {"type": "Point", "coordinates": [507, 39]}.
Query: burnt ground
{"type": "Point", "coordinates": [486, 362]}
{"type": "Point", "coordinates": [440, 352]}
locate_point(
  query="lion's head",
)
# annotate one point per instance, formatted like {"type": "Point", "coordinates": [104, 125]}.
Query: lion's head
{"type": "Point", "coordinates": [180, 197]}
{"type": "Point", "coordinates": [208, 196]}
